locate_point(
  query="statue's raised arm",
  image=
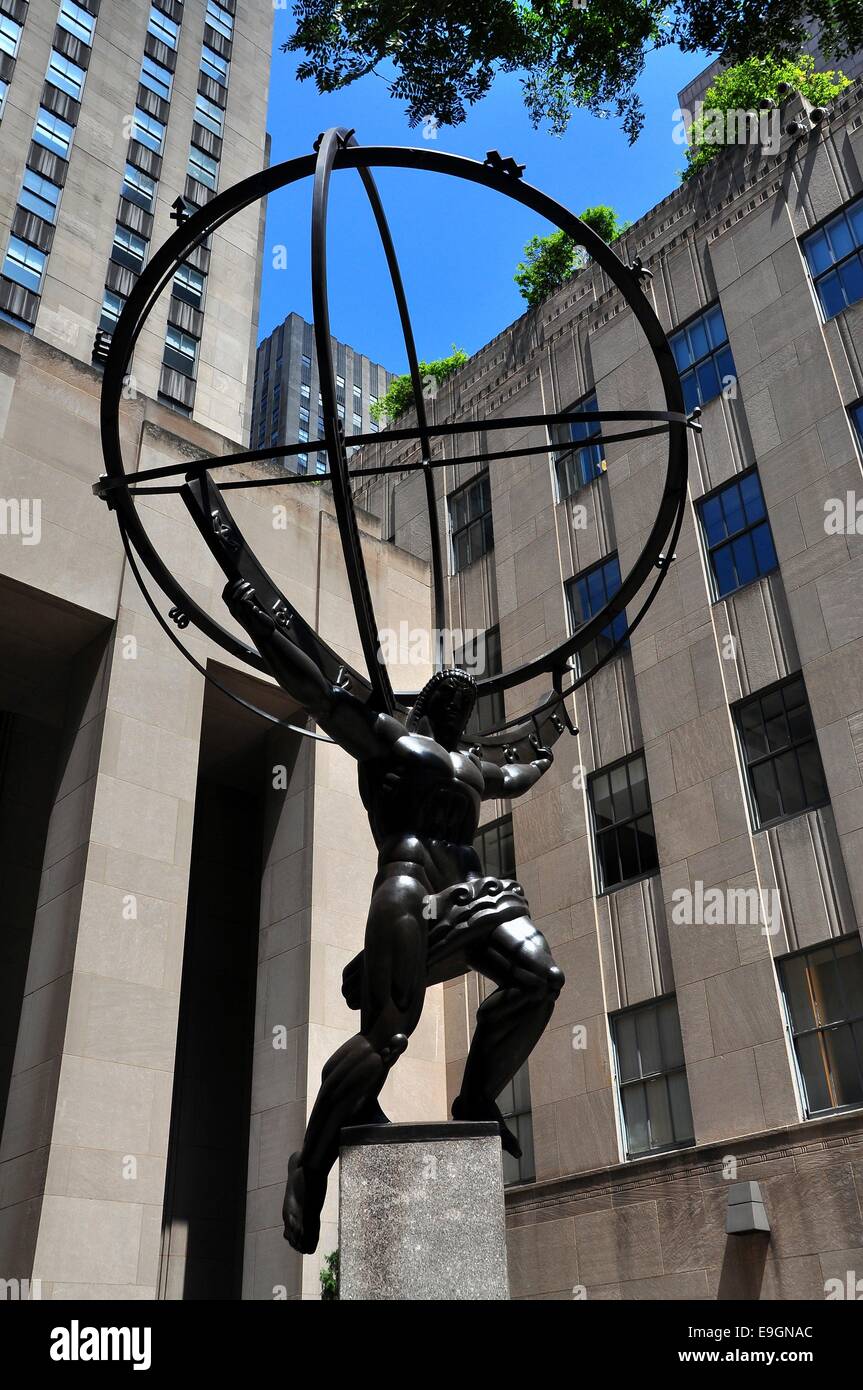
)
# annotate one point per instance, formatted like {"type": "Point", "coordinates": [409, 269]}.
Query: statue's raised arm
{"type": "Point", "coordinates": [514, 779]}
{"type": "Point", "coordinates": [360, 730]}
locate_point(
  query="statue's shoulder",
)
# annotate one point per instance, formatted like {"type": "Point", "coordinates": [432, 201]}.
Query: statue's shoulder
{"type": "Point", "coordinates": [413, 747]}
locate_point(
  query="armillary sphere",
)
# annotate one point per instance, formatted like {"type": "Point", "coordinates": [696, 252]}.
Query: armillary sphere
{"type": "Point", "coordinates": [204, 495]}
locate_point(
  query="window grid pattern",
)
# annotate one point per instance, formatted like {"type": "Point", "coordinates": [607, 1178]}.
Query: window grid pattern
{"type": "Point", "coordinates": [584, 456]}
{"type": "Point", "coordinates": [162, 27]}
{"type": "Point", "coordinates": [482, 657]}
{"type": "Point", "coordinates": [651, 1078]}
{"type": "Point", "coordinates": [65, 75]}
{"type": "Point", "coordinates": [10, 35]}
{"type": "Point", "coordinates": [25, 262]}
{"type": "Point", "coordinates": [587, 594]}
{"type": "Point", "coordinates": [156, 78]}
{"type": "Point", "coordinates": [780, 751]}
{"type": "Point", "coordinates": [77, 21]}
{"type": "Point", "coordinates": [737, 533]}
{"type": "Point", "coordinates": [471, 522]}
{"type": "Point", "coordinates": [823, 992]}
{"type": "Point", "coordinates": [834, 254]}
{"type": "Point", "coordinates": [703, 358]}
{"type": "Point", "coordinates": [623, 830]}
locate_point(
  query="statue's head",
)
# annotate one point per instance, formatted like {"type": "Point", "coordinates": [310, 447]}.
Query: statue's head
{"type": "Point", "coordinates": [446, 702]}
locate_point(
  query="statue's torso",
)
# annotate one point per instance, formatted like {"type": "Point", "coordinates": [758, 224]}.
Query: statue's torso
{"type": "Point", "coordinates": [424, 801]}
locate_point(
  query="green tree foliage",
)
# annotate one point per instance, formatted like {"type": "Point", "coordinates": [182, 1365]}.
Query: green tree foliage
{"type": "Point", "coordinates": [743, 88]}
{"type": "Point", "coordinates": [441, 56]}
{"type": "Point", "coordinates": [329, 1277]}
{"type": "Point", "coordinates": [550, 260]}
{"type": "Point", "coordinates": [400, 393]}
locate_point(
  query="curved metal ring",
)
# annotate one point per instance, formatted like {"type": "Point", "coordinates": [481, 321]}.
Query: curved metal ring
{"type": "Point", "coordinates": [343, 155]}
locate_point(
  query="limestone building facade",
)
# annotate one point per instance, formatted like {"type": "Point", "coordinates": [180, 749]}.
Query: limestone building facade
{"type": "Point", "coordinates": [697, 1042]}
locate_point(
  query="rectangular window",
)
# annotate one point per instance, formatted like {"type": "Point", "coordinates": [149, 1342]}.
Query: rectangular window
{"type": "Point", "coordinates": [24, 264]}
{"type": "Point", "coordinates": [321, 463]}
{"type": "Point", "coordinates": [623, 832]}
{"type": "Point", "coordinates": [52, 133]}
{"type": "Point", "coordinates": [148, 131]}
{"type": "Point", "coordinates": [587, 594]}
{"type": "Point", "coordinates": [210, 116]}
{"type": "Point", "coordinates": [39, 195]}
{"type": "Point", "coordinates": [373, 426]}
{"type": "Point", "coordinates": [112, 307]}
{"type": "Point", "coordinates": [162, 27]}
{"type": "Point", "coordinates": [304, 415]}
{"type": "Point", "coordinates": [481, 657]}
{"type": "Point", "coordinates": [703, 358]}
{"type": "Point", "coordinates": [780, 750]}
{"type": "Point", "coordinates": [180, 351]}
{"type": "Point", "coordinates": [358, 423]}
{"type": "Point", "coordinates": [65, 74]}
{"type": "Point", "coordinates": [302, 462]}
{"type": "Point", "coordinates": [583, 458]}
{"type": "Point", "coordinates": [156, 78]}
{"type": "Point", "coordinates": [203, 167]}
{"type": "Point", "coordinates": [835, 256]}
{"type": "Point", "coordinates": [189, 286]}
{"type": "Point", "coordinates": [307, 362]}
{"type": "Point", "coordinates": [77, 21]}
{"type": "Point", "coordinates": [471, 522]}
{"type": "Point", "coordinates": [10, 35]}
{"type": "Point", "coordinates": [305, 390]}
{"type": "Point", "coordinates": [302, 436]}
{"type": "Point", "coordinates": [139, 188]}
{"type": "Point", "coordinates": [340, 411]}
{"type": "Point", "coordinates": [651, 1078]}
{"type": "Point", "coordinates": [496, 849]}
{"type": "Point", "coordinates": [737, 534]}
{"type": "Point", "coordinates": [215, 66]}
{"type": "Point", "coordinates": [4, 88]}
{"type": "Point", "coordinates": [823, 992]}
{"type": "Point", "coordinates": [220, 20]}
{"type": "Point", "coordinates": [129, 249]}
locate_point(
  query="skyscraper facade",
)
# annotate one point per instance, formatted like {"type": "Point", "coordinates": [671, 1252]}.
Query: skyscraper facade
{"type": "Point", "coordinates": [112, 111]}
{"type": "Point", "coordinates": [287, 401]}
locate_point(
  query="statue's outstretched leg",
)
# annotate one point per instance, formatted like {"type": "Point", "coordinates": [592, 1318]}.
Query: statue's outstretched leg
{"type": "Point", "coordinates": [394, 989]}
{"type": "Point", "coordinates": [510, 1021]}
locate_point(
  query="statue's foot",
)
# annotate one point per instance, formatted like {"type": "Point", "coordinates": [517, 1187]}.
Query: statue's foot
{"type": "Point", "coordinates": [301, 1209]}
{"type": "Point", "coordinates": [371, 1114]}
{"type": "Point", "coordinates": [467, 1110]}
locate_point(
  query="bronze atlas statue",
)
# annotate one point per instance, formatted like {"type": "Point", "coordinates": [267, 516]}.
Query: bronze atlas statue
{"type": "Point", "coordinates": [434, 911]}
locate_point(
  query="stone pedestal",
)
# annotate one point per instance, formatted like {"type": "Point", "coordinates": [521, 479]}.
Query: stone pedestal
{"type": "Point", "coordinates": [421, 1212]}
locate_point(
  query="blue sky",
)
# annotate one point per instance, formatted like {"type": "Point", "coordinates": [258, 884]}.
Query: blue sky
{"type": "Point", "coordinates": [458, 245]}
